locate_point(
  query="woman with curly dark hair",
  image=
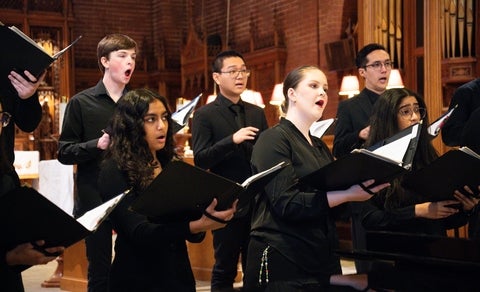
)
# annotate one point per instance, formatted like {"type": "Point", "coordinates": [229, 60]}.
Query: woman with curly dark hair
{"type": "Point", "coordinates": [148, 256]}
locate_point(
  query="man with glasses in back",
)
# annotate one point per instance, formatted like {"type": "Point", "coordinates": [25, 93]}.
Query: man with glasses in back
{"type": "Point", "coordinates": [374, 65]}
{"type": "Point", "coordinates": [223, 134]}
{"type": "Point", "coordinates": [352, 128]}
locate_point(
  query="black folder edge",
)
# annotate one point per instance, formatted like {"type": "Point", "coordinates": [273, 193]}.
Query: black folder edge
{"type": "Point", "coordinates": [28, 216]}
{"type": "Point", "coordinates": [451, 171]}
{"type": "Point", "coordinates": [184, 188]}
{"type": "Point", "coordinates": [340, 174]}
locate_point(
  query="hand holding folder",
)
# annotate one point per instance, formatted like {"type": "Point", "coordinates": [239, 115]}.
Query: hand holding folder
{"type": "Point", "coordinates": [19, 53]}
{"type": "Point", "coordinates": [451, 171]}
{"type": "Point", "coordinates": [185, 189]}
{"type": "Point", "coordinates": [28, 216]}
{"type": "Point", "coordinates": [383, 162]}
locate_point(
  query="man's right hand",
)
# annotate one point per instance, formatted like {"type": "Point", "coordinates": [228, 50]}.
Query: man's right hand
{"type": "Point", "coordinates": [247, 133]}
{"type": "Point", "coordinates": [103, 141]}
{"type": "Point", "coordinates": [363, 134]}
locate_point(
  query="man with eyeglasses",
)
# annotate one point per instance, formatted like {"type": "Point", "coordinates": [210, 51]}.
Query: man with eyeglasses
{"type": "Point", "coordinates": [223, 134]}
{"type": "Point", "coordinates": [21, 101]}
{"type": "Point", "coordinates": [352, 127]}
{"type": "Point", "coordinates": [351, 131]}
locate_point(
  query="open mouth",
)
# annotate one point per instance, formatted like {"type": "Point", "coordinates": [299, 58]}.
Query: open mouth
{"type": "Point", "coordinates": [320, 103]}
{"type": "Point", "coordinates": [128, 72]}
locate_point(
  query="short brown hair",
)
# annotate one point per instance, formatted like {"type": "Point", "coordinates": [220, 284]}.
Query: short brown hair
{"type": "Point", "coordinates": [112, 43]}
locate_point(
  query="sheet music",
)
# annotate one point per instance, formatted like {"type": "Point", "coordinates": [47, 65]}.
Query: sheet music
{"type": "Point", "coordinates": [57, 55]}
{"type": "Point", "coordinates": [396, 150]}
{"type": "Point", "coordinates": [91, 219]}
{"type": "Point", "coordinates": [181, 116]}
{"type": "Point", "coordinates": [436, 126]}
{"type": "Point", "coordinates": [319, 128]}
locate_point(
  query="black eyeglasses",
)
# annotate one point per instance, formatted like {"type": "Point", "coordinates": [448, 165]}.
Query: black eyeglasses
{"type": "Point", "coordinates": [378, 65]}
{"type": "Point", "coordinates": [234, 73]}
{"type": "Point", "coordinates": [407, 112]}
{"type": "Point", "coordinates": [5, 119]}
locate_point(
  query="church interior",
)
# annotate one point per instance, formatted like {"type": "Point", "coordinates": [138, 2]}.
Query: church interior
{"type": "Point", "coordinates": [432, 44]}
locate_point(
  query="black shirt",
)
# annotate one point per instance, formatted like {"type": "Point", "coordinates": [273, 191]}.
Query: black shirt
{"type": "Point", "coordinates": [86, 115]}
{"type": "Point", "coordinates": [296, 222]}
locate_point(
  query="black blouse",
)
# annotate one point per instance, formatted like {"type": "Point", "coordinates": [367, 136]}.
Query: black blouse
{"type": "Point", "coordinates": [297, 222]}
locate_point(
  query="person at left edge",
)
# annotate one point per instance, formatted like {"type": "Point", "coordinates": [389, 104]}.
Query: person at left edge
{"type": "Point", "coordinates": [13, 260]}
{"type": "Point", "coordinates": [150, 255]}
{"type": "Point", "coordinates": [83, 140]}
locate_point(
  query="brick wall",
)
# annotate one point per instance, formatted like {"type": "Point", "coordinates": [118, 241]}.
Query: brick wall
{"type": "Point", "coordinates": [160, 29]}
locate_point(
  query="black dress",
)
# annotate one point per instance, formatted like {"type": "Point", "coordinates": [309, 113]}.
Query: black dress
{"type": "Point", "coordinates": [148, 256]}
{"type": "Point", "coordinates": [292, 227]}
{"type": "Point", "coordinates": [10, 276]}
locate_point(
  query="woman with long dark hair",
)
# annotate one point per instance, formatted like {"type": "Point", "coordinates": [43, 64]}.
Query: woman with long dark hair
{"type": "Point", "coordinates": [397, 208]}
{"type": "Point", "coordinates": [148, 256]}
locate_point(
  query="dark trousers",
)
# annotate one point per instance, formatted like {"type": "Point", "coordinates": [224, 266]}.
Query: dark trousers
{"type": "Point", "coordinates": [99, 256]}
{"type": "Point", "coordinates": [282, 276]}
{"type": "Point", "coordinates": [229, 243]}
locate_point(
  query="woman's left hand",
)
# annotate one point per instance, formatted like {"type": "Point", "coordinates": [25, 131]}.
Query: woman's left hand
{"type": "Point", "coordinates": [468, 202]}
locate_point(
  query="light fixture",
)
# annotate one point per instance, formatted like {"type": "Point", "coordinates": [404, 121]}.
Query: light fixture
{"type": "Point", "coordinates": [277, 95]}
{"type": "Point", "coordinates": [253, 97]}
{"type": "Point", "coordinates": [395, 79]}
{"type": "Point", "coordinates": [350, 86]}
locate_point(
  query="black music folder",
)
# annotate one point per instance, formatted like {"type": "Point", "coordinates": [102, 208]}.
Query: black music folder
{"type": "Point", "coordinates": [182, 188]}
{"type": "Point", "coordinates": [19, 53]}
{"type": "Point", "coordinates": [451, 171]}
{"type": "Point", "coordinates": [383, 162]}
{"type": "Point", "coordinates": [28, 216]}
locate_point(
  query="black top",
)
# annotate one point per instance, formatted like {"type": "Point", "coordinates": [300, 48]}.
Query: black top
{"type": "Point", "coordinates": [295, 222]}
{"type": "Point", "coordinates": [10, 276]}
{"type": "Point", "coordinates": [26, 114]}
{"type": "Point", "coordinates": [148, 256]}
{"type": "Point", "coordinates": [471, 132]}
{"type": "Point", "coordinates": [467, 97]}
{"type": "Point", "coordinates": [353, 115]}
{"type": "Point", "coordinates": [213, 127]}
{"type": "Point", "coordinates": [86, 115]}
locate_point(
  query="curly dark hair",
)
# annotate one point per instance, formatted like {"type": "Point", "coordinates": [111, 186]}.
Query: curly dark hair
{"type": "Point", "coordinates": [127, 138]}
